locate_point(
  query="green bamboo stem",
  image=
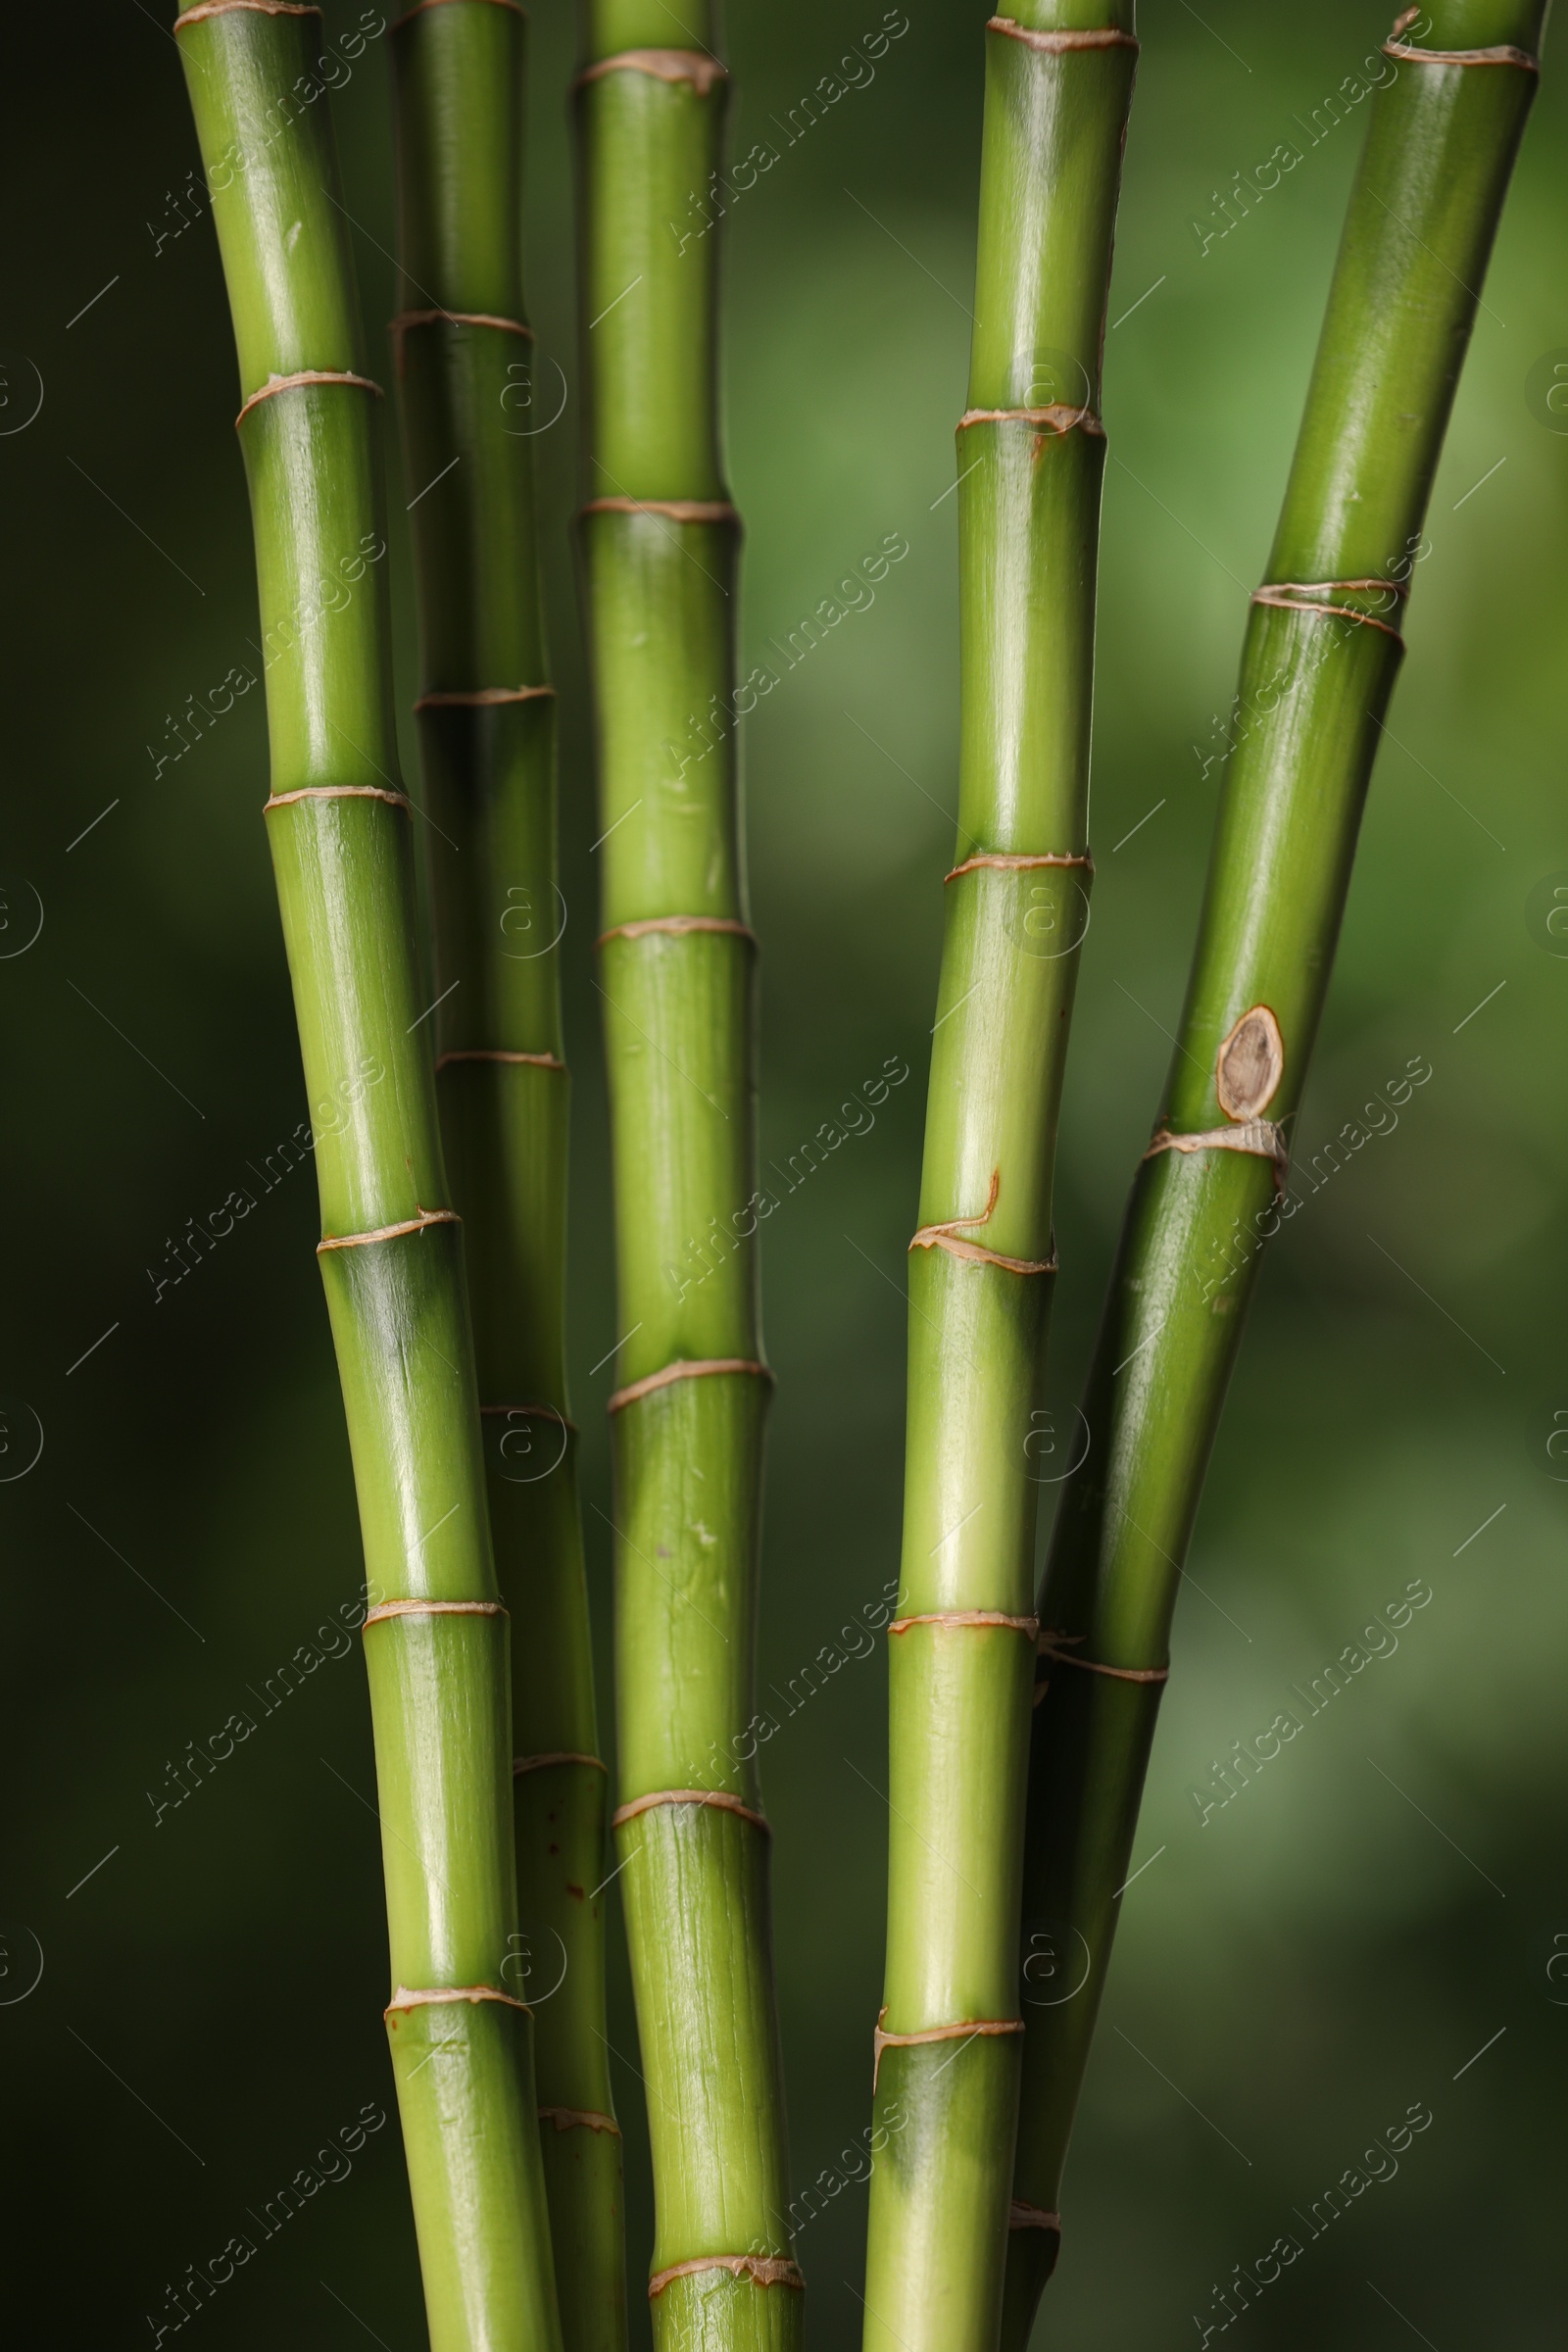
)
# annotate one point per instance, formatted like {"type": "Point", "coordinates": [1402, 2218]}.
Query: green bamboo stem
{"type": "Point", "coordinates": [658, 545]}
{"type": "Point", "coordinates": [1321, 650]}
{"type": "Point", "coordinates": [1031, 456]}
{"type": "Point", "coordinates": [391, 1256]}
{"type": "Point", "coordinates": [487, 734]}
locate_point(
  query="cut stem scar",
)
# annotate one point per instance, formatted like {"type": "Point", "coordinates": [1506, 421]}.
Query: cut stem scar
{"type": "Point", "coordinates": [388, 1233]}
{"type": "Point", "coordinates": [716, 1797]}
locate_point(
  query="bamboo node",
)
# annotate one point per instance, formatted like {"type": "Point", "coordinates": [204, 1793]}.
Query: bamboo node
{"type": "Point", "coordinates": [1060, 44]}
{"type": "Point", "coordinates": [432, 1608]}
{"type": "Point", "coordinates": [966, 2031]}
{"type": "Point", "coordinates": [980, 1617]}
{"type": "Point", "coordinates": [678, 510]}
{"type": "Point", "coordinates": [1019, 865]}
{"type": "Point", "coordinates": [1286, 597]}
{"type": "Point", "coordinates": [678, 925]}
{"type": "Point", "coordinates": [223, 8]}
{"type": "Point", "coordinates": [694, 66]}
{"type": "Point", "coordinates": [533, 1413]}
{"type": "Point", "coordinates": [539, 1061]}
{"type": "Point", "coordinates": [307, 375]}
{"type": "Point", "coordinates": [1259, 1138]}
{"type": "Point", "coordinates": [437, 1996]}
{"type": "Point", "coordinates": [1032, 2217]}
{"type": "Point", "coordinates": [388, 1233]}
{"type": "Point", "coordinates": [565, 2118]}
{"type": "Point", "coordinates": [405, 318]}
{"type": "Point", "coordinates": [720, 1798]}
{"type": "Point", "coordinates": [1055, 1645]}
{"type": "Point", "coordinates": [481, 698]}
{"type": "Point", "coordinates": [762, 2270]}
{"type": "Point", "coordinates": [1504, 55]}
{"type": "Point", "coordinates": [946, 1236]}
{"type": "Point", "coordinates": [1059, 419]}
{"type": "Point", "coordinates": [685, 1369]}
{"type": "Point", "coordinates": [340, 792]}
{"type": "Point", "coordinates": [421, 6]}
{"type": "Point", "coordinates": [521, 1764]}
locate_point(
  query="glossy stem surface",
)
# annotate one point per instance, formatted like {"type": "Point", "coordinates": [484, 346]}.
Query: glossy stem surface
{"type": "Point", "coordinates": [1321, 650]}
{"type": "Point", "coordinates": [468, 393]}
{"type": "Point", "coordinates": [1031, 456]}
{"type": "Point", "coordinates": [391, 1255]}
{"type": "Point", "coordinates": [676, 979]}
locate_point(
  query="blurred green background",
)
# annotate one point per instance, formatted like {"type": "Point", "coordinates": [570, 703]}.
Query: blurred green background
{"type": "Point", "coordinates": [1382, 1903]}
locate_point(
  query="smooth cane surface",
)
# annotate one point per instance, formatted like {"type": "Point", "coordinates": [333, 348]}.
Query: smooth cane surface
{"type": "Point", "coordinates": [391, 1255]}
{"type": "Point", "coordinates": [1322, 648]}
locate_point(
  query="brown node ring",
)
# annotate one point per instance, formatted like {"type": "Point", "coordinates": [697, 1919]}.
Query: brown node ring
{"type": "Point", "coordinates": [718, 1798]}
{"type": "Point", "coordinates": [1257, 1139]}
{"type": "Point", "coordinates": [949, 1237]}
{"type": "Point", "coordinates": [440, 1995]}
{"type": "Point", "coordinates": [678, 510]}
{"type": "Point", "coordinates": [1061, 44]}
{"type": "Point", "coordinates": [1032, 2217]}
{"type": "Point", "coordinates": [1056, 1647]}
{"type": "Point", "coordinates": [388, 1233]}
{"type": "Point", "coordinates": [980, 1617]}
{"type": "Point", "coordinates": [530, 1412]}
{"type": "Point", "coordinates": [1059, 417]}
{"type": "Point", "coordinates": [1019, 865]}
{"type": "Point", "coordinates": [686, 1369]}
{"type": "Point", "coordinates": [421, 4]}
{"type": "Point", "coordinates": [1505, 54]}
{"type": "Point", "coordinates": [678, 925]}
{"type": "Point", "coordinates": [538, 1061]}
{"type": "Point", "coordinates": [340, 792]}
{"type": "Point", "coordinates": [481, 698]}
{"type": "Point", "coordinates": [967, 2031]}
{"type": "Point", "coordinates": [521, 1764]}
{"type": "Point", "coordinates": [262, 8]}
{"type": "Point", "coordinates": [762, 2270]}
{"type": "Point", "coordinates": [664, 65]}
{"type": "Point", "coordinates": [307, 375]}
{"type": "Point", "coordinates": [588, 2119]}
{"type": "Point", "coordinates": [432, 1608]}
{"type": "Point", "coordinates": [1285, 601]}
{"type": "Point", "coordinates": [407, 318]}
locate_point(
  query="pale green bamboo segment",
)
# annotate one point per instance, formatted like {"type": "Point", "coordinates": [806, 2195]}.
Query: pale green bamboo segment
{"type": "Point", "coordinates": [392, 1251]}
{"type": "Point", "coordinates": [466, 381]}
{"type": "Point", "coordinates": [1321, 653]}
{"type": "Point", "coordinates": [677, 979]}
{"type": "Point", "coordinates": [1031, 456]}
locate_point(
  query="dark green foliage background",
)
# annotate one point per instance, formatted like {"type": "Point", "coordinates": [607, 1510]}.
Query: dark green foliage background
{"type": "Point", "coordinates": [1321, 1954]}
